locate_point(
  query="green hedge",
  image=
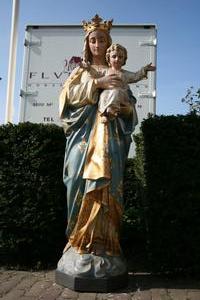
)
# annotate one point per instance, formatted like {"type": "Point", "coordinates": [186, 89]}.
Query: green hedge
{"type": "Point", "coordinates": [33, 213]}
{"type": "Point", "coordinates": [133, 234]}
{"type": "Point", "coordinates": [161, 193]}
{"type": "Point", "coordinates": [171, 180]}
{"type": "Point", "coordinates": [32, 195]}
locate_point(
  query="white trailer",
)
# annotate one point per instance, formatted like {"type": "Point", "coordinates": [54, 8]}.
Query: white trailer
{"type": "Point", "coordinates": [51, 53]}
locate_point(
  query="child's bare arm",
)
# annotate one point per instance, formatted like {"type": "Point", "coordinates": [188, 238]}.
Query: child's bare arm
{"type": "Point", "coordinates": [141, 74]}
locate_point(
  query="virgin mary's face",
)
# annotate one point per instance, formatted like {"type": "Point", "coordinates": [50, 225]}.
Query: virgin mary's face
{"type": "Point", "coordinates": [98, 43]}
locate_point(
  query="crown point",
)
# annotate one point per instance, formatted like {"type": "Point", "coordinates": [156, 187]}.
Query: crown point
{"type": "Point", "coordinates": [96, 23]}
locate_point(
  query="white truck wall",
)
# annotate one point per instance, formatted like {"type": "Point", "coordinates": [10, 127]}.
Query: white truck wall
{"type": "Point", "coordinates": [51, 53]}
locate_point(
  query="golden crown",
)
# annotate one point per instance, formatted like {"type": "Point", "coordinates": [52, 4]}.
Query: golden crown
{"type": "Point", "coordinates": [96, 23]}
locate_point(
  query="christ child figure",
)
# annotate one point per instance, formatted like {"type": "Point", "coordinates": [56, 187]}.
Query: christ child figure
{"type": "Point", "coordinates": [113, 100]}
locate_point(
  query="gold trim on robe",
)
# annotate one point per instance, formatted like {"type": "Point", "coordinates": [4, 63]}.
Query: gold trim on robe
{"type": "Point", "coordinates": [97, 163]}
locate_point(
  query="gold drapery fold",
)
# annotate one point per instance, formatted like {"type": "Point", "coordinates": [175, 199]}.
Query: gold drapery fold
{"type": "Point", "coordinates": [97, 228]}
{"type": "Point", "coordinates": [97, 163]}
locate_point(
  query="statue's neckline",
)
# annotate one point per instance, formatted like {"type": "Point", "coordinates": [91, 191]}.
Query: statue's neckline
{"type": "Point", "coordinates": [99, 66]}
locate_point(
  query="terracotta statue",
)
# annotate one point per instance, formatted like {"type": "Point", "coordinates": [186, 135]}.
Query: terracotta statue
{"type": "Point", "coordinates": [94, 165]}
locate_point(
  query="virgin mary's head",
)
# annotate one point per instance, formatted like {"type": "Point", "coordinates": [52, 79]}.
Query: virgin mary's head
{"type": "Point", "coordinates": [97, 38]}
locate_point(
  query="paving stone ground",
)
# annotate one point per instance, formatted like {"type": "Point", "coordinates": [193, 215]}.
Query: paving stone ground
{"type": "Point", "coordinates": [21, 285]}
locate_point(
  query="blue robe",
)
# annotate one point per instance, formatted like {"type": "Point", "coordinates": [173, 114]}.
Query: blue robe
{"type": "Point", "coordinates": [94, 164]}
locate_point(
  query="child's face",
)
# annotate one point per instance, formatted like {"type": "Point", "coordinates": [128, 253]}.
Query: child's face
{"type": "Point", "coordinates": [116, 59]}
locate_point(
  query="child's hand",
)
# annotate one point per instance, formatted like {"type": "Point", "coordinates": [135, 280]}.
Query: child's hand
{"type": "Point", "coordinates": [149, 67]}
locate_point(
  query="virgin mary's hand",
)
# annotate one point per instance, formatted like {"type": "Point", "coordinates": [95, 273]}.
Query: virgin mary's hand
{"type": "Point", "coordinates": [108, 82]}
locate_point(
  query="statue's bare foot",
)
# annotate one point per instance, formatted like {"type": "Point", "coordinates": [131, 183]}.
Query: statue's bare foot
{"type": "Point", "coordinates": [98, 252]}
{"type": "Point", "coordinates": [112, 113]}
{"type": "Point", "coordinates": [104, 119]}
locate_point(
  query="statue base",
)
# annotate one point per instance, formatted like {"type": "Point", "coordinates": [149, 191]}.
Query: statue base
{"type": "Point", "coordinates": [91, 273]}
{"type": "Point", "coordinates": [97, 285]}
